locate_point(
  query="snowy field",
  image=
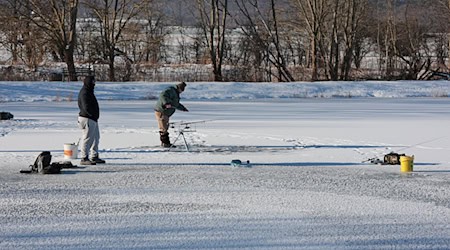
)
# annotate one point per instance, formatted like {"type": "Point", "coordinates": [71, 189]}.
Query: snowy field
{"type": "Point", "coordinates": [308, 185]}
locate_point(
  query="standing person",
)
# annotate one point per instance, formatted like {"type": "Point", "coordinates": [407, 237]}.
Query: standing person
{"type": "Point", "coordinates": [88, 123]}
{"type": "Point", "coordinates": [168, 103]}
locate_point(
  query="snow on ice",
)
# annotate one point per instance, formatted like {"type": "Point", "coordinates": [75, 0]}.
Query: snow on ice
{"type": "Point", "coordinates": [307, 186]}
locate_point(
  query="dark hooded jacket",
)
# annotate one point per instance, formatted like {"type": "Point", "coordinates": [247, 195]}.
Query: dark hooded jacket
{"type": "Point", "coordinates": [87, 102]}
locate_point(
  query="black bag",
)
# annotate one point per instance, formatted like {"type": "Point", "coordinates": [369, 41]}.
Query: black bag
{"type": "Point", "coordinates": [64, 164]}
{"type": "Point", "coordinates": [42, 165]}
{"type": "Point", "coordinates": [53, 168]}
{"type": "Point", "coordinates": [6, 116]}
{"type": "Point", "coordinates": [392, 158]}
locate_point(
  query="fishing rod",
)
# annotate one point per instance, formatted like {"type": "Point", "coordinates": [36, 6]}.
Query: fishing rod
{"type": "Point", "coordinates": [185, 127]}
{"type": "Point", "coordinates": [184, 123]}
{"type": "Point", "coordinates": [424, 142]}
{"type": "Point", "coordinates": [376, 159]}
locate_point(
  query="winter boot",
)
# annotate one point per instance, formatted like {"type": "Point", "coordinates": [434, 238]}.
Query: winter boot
{"type": "Point", "coordinates": [165, 140]}
{"type": "Point", "coordinates": [98, 160]}
{"type": "Point", "coordinates": [86, 161]}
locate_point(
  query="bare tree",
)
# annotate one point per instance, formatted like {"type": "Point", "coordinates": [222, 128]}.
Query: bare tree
{"type": "Point", "coordinates": [12, 26]}
{"type": "Point", "coordinates": [314, 14]}
{"type": "Point", "coordinates": [114, 17]}
{"type": "Point", "coordinates": [213, 18]}
{"type": "Point", "coordinates": [353, 17]}
{"type": "Point", "coordinates": [191, 46]}
{"type": "Point", "coordinates": [89, 41]}
{"type": "Point", "coordinates": [154, 31]}
{"type": "Point", "coordinates": [253, 45]}
{"type": "Point", "coordinates": [333, 27]}
{"type": "Point", "coordinates": [390, 38]}
{"type": "Point", "coordinates": [55, 18]}
{"type": "Point", "coordinates": [283, 72]}
{"type": "Point", "coordinates": [333, 58]}
{"type": "Point", "coordinates": [422, 45]}
{"type": "Point", "coordinates": [442, 10]}
{"type": "Point", "coordinates": [404, 35]}
{"type": "Point", "coordinates": [264, 29]}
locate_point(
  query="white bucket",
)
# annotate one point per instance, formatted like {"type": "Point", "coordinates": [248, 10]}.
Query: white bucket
{"type": "Point", "coordinates": [70, 151]}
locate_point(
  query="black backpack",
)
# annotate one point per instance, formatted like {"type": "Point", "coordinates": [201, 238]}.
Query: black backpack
{"type": "Point", "coordinates": [42, 165]}
{"type": "Point", "coordinates": [6, 116]}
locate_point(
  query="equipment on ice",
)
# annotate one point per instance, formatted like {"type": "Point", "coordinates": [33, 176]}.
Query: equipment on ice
{"type": "Point", "coordinates": [184, 127]}
{"type": "Point", "coordinates": [71, 150]}
{"type": "Point", "coordinates": [239, 163]}
{"type": "Point", "coordinates": [389, 159]}
{"type": "Point", "coordinates": [392, 158]}
{"type": "Point", "coordinates": [6, 116]}
{"type": "Point", "coordinates": [42, 165]}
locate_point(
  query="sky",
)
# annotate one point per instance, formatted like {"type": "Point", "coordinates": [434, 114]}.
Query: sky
{"type": "Point", "coordinates": [308, 184]}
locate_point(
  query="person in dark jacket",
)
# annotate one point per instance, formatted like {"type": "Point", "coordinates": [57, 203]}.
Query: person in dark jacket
{"type": "Point", "coordinates": [88, 123]}
{"type": "Point", "coordinates": [168, 103]}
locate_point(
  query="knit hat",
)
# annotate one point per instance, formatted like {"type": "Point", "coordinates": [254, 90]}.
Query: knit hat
{"type": "Point", "coordinates": [181, 86]}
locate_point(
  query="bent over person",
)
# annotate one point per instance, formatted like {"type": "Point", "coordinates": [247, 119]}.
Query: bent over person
{"type": "Point", "coordinates": [88, 123]}
{"type": "Point", "coordinates": [168, 103]}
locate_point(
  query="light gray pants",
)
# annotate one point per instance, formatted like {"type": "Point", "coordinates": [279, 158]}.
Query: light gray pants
{"type": "Point", "coordinates": [90, 137]}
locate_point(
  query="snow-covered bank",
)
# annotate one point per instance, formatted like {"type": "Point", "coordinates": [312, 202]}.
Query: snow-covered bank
{"type": "Point", "coordinates": [66, 91]}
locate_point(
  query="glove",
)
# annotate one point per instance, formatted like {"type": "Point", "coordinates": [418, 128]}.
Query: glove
{"type": "Point", "coordinates": [167, 106]}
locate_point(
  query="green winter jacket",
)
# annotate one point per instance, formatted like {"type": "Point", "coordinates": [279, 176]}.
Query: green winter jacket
{"type": "Point", "coordinates": [172, 97]}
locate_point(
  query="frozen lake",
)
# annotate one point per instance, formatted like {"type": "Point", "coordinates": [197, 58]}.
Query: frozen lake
{"type": "Point", "coordinates": [307, 187]}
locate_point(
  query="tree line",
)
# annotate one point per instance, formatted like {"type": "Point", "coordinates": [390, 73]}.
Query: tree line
{"type": "Point", "coordinates": [241, 40]}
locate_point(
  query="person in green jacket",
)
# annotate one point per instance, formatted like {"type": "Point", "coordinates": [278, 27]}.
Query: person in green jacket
{"type": "Point", "coordinates": [168, 103]}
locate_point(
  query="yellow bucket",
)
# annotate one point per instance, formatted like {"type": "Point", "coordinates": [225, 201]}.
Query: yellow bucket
{"type": "Point", "coordinates": [406, 163]}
